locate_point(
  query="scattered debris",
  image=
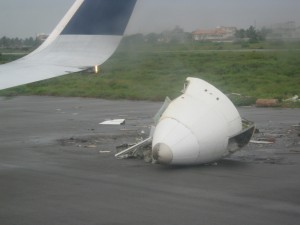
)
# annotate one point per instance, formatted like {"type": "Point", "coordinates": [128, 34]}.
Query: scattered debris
{"type": "Point", "coordinates": [267, 102]}
{"type": "Point", "coordinates": [275, 144]}
{"type": "Point", "coordinates": [124, 146]}
{"type": "Point", "coordinates": [142, 149]}
{"type": "Point", "coordinates": [269, 160]}
{"type": "Point", "coordinates": [293, 99]}
{"type": "Point", "coordinates": [261, 142]}
{"type": "Point", "coordinates": [297, 128]}
{"type": "Point", "coordinates": [131, 151]}
{"type": "Point", "coordinates": [113, 122]}
{"type": "Point", "coordinates": [96, 142]}
{"type": "Point", "coordinates": [104, 152]}
{"type": "Point", "coordinates": [274, 136]}
{"type": "Point", "coordinates": [269, 139]}
{"type": "Point", "coordinates": [148, 156]}
{"type": "Point", "coordinates": [90, 146]}
{"type": "Point", "coordinates": [295, 150]}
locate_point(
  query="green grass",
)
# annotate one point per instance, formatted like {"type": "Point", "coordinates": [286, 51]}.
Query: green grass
{"type": "Point", "coordinates": [152, 72]}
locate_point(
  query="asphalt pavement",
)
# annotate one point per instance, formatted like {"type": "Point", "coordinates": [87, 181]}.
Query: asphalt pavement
{"type": "Point", "coordinates": [57, 167]}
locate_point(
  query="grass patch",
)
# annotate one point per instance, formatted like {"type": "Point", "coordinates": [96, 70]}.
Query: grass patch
{"type": "Point", "coordinates": [152, 72]}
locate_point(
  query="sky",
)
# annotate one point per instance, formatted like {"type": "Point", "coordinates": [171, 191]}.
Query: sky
{"type": "Point", "coordinates": [26, 18]}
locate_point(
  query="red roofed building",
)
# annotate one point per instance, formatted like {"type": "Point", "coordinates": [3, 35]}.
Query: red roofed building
{"type": "Point", "coordinates": [217, 34]}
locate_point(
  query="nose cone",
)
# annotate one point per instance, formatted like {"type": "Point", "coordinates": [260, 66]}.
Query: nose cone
{"type": "Point", "coordinates": [173, 143]}
{"type": "Point", "coordinates": [162, 153]}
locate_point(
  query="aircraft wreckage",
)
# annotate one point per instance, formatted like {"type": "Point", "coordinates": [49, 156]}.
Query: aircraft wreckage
{"type": "Point", "coordinates": [200, 126]}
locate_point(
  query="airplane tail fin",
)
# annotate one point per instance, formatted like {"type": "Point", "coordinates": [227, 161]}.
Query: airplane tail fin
{"type": "Point", "coordinates": [87, 36]}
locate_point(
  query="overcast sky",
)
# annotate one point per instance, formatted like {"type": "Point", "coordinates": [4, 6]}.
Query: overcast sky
{"type": "Point", "coordinates": [26, 18]}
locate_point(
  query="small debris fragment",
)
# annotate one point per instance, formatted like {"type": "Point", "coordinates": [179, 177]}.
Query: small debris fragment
{"type": "Point", "coordinates": [261, 142]}
{"type": "Point", "coordinates": [103, 152]}
{"type": "Point", "coordinates": [113, 122]}
{"type": "Point", "coordinates": [268, 139]}
{"type": "Point", "coordinates": [297, 128]}
{"type": "Point", "coordinates": [91, 146]}
{"type": "Point", "coordinates": [148, 156]}
{"type": "Point", "coordinates": [124, 146]}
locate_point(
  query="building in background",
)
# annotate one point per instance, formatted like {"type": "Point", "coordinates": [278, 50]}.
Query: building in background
{"type": "Point", "coordinates": [219, 34]}
{"type": "Point", "coordinates": [42, 37]}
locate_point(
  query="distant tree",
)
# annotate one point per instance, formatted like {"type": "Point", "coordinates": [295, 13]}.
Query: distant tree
{"type": "Point", "coordinates": [152, 38]}
{"type": "Point", "coordinates": [4, 42]}
{"type": "Point", "coordinates": [264, 32]}
{"type": "Point", "coordinates": [30, 42]}
{"type": "Point", "coordinates": [177, 35]}
{"type": "Point", "coordinates": [18, 43]}
{"type": "Point", "coordinates": [252, 34]}
{"type": "Point", "coordinates": [134, 39]}
{"type": "Point", "coordinates": [241, 33]}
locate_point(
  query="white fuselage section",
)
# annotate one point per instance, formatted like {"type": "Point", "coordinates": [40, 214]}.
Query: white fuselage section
{"type": "Point", "coordinates": [196, 126]}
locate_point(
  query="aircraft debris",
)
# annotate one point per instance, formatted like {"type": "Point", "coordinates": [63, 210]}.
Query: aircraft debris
{"type": "Point", "coordinates": [297, 128]}
{"type": "Point", "coordinates": [141, 149]}
{"type": "Point", "coordinates": [132, 150]}
{"type": "Point", "coordinates": [124, 146]}
{"type": "Point", "coordinates": [200, 126]}
{"type": "Point", "coordinates": [104, 152]}
{"type": "Point", "coordinates": [113, 122]}
{"type": "Point", "coordinates": [264, 140]}
{"type": "Point", "coordinates": [261, 142]}
{"type": "Point", "coordinates": [90, 146]}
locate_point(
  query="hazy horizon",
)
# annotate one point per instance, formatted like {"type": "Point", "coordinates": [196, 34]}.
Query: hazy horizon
{"type": "Point", "coordinates": [19, 18]}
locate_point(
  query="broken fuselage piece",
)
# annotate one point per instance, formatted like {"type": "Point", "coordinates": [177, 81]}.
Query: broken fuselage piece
{"type": "Point", "coordinates": [200, 126]}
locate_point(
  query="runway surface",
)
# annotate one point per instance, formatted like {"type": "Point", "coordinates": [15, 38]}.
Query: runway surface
{"type": "Point", "coordinates": [57, 166]}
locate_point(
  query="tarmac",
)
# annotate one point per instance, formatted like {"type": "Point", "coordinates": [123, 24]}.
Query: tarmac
{"type": "Point", "coordinates": [57, 167]}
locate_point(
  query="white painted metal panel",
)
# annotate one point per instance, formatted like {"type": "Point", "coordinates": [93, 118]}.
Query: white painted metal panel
{"type": "Point", "coordinates": [87, 36]}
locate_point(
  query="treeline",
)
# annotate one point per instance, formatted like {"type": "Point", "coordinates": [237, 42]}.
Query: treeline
{"type": "Point", "coordinates": [178, 35]}
{"type": "Point", "coordinates": [18, 43]}
{"type": "Point", "coordinates": [252, 34]}
{"type": "Point", "coordinates": [175, 36]}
